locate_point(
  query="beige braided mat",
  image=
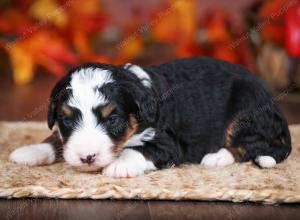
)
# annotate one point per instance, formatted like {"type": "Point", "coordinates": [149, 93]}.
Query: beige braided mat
{"type": "Point", "coordinates": [237, 182]}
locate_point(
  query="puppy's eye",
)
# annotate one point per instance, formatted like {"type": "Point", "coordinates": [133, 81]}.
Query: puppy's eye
{"type": "Point", "coordinates": [67, 121]}
{"type": "Point", "coordinates": [113, 120]}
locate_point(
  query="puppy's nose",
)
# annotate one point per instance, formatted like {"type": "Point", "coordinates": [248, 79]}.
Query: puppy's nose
{"type": "Point", "coordinates": [88, 159]}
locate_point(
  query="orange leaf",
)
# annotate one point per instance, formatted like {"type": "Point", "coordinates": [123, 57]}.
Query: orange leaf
{"type": "Point", "coordinates": [177, 22]}
{"type": "Point", "coordinates": [49, 10]}
{"type": "Point", "coordinates": [22, 64]}
{"type": "Point", "coordinates": [130, 48]}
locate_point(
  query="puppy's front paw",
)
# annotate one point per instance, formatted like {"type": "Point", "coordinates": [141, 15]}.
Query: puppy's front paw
{"type": "Point", "coordinates": [130, 164]}
{"type": "Point", "coordinates": [33, 155]}
{"type": "Point", "coordinates": [121, 169]}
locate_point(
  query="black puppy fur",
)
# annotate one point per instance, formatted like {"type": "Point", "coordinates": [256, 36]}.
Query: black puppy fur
{"type": "Point", "coordinates": [196, 105]}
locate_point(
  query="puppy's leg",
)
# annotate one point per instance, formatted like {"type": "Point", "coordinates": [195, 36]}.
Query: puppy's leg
{"type": "Point", "coordinates": [264, 155]}
{"type": "Point", "coordinates": [265, 141]}
{"type": "Point", "coordinates": [44, 153]}
{"type": "Point", "coordinates": [257, 129]}
{"type": "Point", "coordinates": [219, 159]}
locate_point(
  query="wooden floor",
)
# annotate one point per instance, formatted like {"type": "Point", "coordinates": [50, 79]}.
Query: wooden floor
{"type": "Point", "coordinates": [176, 210]}
{"type": "Point", "coordinates": [30, 103]}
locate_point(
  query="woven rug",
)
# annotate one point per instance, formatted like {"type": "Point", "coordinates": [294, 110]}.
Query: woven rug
{"type": "Point", "coordinates": [237, 182]}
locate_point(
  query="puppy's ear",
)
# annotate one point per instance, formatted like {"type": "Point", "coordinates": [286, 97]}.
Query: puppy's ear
{"type": "Point", "coordinates": [59, 90]}
{"type": "Point", "coordinates": [51, 114]}
{"type": "Point", "coordinates": [145, 99]}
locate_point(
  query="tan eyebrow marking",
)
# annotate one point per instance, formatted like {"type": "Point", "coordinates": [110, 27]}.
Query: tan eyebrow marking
{"type": "Point", "coordinates": [107, 110]}
{"type": "Point", "coordinates": [67, 110]}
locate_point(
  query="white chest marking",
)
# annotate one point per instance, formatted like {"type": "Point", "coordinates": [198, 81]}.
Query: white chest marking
{"type": "Point", "coordinates": [138, 139]}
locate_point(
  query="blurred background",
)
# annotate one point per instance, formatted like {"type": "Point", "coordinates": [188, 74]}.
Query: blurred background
{"type": "Point", "coordinates": [41, 39]}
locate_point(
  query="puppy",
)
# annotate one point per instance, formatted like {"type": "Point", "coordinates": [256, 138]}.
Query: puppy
{"type": "Point", "coordinates": [129, 119]}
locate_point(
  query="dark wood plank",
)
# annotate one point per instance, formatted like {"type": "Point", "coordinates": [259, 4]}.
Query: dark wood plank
{"type": "Point", "coordinates": [221, 210]}
{"type": "Point", "coordinates": [72, 209]}
{"type": "Point", "coordinates": [115, 209]}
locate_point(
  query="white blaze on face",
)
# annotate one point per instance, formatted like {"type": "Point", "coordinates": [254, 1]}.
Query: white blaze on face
{"type": "Point", "coordinates": [89, 137]}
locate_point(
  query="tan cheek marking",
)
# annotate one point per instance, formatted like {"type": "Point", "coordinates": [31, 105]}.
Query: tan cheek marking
{"type": "Point", "coordinates": [107, 110]}
{"type": "Point", "coordinates": [67, 111]}
{"type": "Point", "coordinates": [131, 130]}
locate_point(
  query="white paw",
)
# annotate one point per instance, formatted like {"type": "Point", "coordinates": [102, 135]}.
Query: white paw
{"type": "Point", "coordinates": [221, 158]}
{"type": "Point", "coordinates": [131, 163]}
{"type": "Point", "coordinates": [33, 155]}
{"type": "Point", "coordinates": [265, 161]}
